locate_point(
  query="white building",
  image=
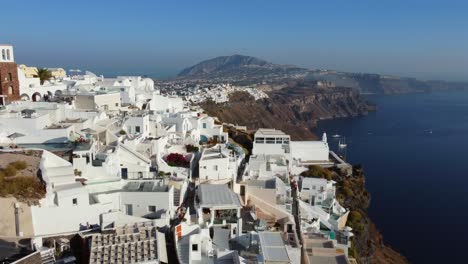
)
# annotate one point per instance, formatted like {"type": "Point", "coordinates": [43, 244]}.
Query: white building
{"type": "Point", "coordinates": [209, 130]}
{"type": "Point", "coordinates": [317, 191]}
{"type": "Point", "coordinates": [217, 164]}
{"type": "Point", "coordinates": [218, 205]}
{"type": "Point", "coordinates": [165, 104]}
{"type": "Point", "coordinates": [137, 124]}
{"type": "Point", "coordinates": [109, 101]}
{"type": "Point", "coordinates": [76, 206]}
{"type": "Point", "coordinates": [310, 152]}
{"type": "Point", "coordinates": [271, 141]}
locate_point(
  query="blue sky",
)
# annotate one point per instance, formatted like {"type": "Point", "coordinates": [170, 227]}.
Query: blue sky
{"type": "Point", "coordinates": [424, 39]}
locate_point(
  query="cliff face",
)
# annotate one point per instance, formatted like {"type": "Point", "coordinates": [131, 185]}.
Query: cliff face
{"type": "Point", "coordinates": [380, 84]}
{"type": "Point", "coordinates": [367, 244]}
{"type": "Point", "coordinates": [294, 109]}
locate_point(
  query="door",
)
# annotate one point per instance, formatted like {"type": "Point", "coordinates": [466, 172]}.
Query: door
{"type": "Point", "coordinates": [124, 173]}
{"type": "Point", "coordinates": [129, 209]}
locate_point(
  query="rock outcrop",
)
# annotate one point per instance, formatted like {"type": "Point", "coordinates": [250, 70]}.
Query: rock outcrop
{"type": "Point", "coordinates": [294, 109]}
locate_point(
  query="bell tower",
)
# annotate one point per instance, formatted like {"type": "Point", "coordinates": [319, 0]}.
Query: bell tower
{"type": "Point", "coordinates": [9, 84]}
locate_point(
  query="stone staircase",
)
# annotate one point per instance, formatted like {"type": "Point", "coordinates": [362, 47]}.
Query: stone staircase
{"type": "Point", "coordinates": [48, 256]}
{"type": "Point", "coordinates": [176, 197]}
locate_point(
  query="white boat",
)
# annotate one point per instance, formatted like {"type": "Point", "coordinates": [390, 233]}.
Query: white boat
{"type": "Point", "coordinates": [336, 136]}
{"type": "Point", "coordinates": [342, 144]}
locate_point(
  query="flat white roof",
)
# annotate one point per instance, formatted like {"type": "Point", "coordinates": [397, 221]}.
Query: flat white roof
{"type": "Point", "coordinates": [212, 195]}
{"type": "Point", "coordinates": [305, 149]}
{"type": "Point", "coordinates": [273, 247]}
{"type": "Point", "coordinates": [268, 132]}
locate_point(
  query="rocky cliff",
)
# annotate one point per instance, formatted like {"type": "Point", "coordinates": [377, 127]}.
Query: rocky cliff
{"type": "Point", "coordinates": [381, 84]}
{"type": "Point", "coordinates": [294, 109]}
{"type": "Point", "coordinates": [367, 244]}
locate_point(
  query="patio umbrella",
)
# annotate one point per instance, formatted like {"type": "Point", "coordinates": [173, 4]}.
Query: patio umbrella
{"type": "Point", "coordinates": [90, 131]}
{"type": "Point", "coordinates": [15, 136]}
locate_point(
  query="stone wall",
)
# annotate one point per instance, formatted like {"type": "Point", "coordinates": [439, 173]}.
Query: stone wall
{"type": "Point", "coordinates": [7, 218]}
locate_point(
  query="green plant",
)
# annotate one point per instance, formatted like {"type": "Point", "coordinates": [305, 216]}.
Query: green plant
{"type": "Point", "coordinates": [19, 165]}
{"type": "Point", "coordinates": [23, 188]}
{"type": "Point", "coordinates": [191, 148]}
{"type": "Point", "coordinates": [161, 173]}
{"type": "Point", "coordinates": [347, 191]}
{"type": "Point", "coordinates": [122, 132]}
{"type": "Point", "coordinates": [354, 216]}
{"type": "Point", "coordinates": [77, 172]}
{"type": "Point", "coordinates": [10, 171]}
{"type": "Point", "coordinates": [316, 171]}
{"type": "Point", "coordinates": [43, 74]}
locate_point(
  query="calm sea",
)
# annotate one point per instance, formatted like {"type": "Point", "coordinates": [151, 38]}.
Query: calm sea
{"type": "Point", "coordinates": [414, 150]}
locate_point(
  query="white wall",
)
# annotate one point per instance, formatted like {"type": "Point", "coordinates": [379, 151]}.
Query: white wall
{"type": "Point", "coordinates": [107, 101]}
{"type": "Point", "coordinates": [269, 148]}
{"type": "Point", "coordinates": [161, 103]}
{"type": "Point", "coordinates": [133, 122]}
{"type": "Point", "coordinates": [141, 200]}
{"type": "Point", "coordinates": [214, 169]}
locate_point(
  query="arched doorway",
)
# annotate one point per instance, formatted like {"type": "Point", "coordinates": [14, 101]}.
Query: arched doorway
{"type": "Point", "coordinates": [25, 97]}
{"type": "Point", "coordinates": [36, 97]}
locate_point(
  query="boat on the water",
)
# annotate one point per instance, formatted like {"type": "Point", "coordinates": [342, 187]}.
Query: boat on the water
{"type": "Point", "coordinates": [342, 143]}
{"type": "Point", "coordinates": [335, 136]}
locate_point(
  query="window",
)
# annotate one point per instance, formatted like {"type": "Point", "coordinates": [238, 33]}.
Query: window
{"type": "Point", "coordinates": [270, 140]}
{"type": "Point", "coordinates": [8, 54]}
{"type": "Point", "coordinates": [3, 55]}
{"type": "Point", "coordinates": [10, 90]}
{"type": "Point", "coordinates": [279, 140]}
{"type": "Point", "coordinates": [137, 129]}
{"type": "Point", "coordinates": [75, 201]}
{"type": "Point", "coordinates": [116, 104]}
{"type": "Point", "coordinates": [313, 187]}
{"type": "Point", "coordinates": [194, 247]}
{"type": "Point", "coordinates": [204, 125]}
{"type": "Point", "coordinates": [10, 76]}
{"type": "Point", "coordinates": [260, 140]}
{"type": "Point", "coordinates": [215, 167]}
{"type": "Point", "coordinates": [305, 189]}
{"type": "Point", "coordinates": [151, 209]}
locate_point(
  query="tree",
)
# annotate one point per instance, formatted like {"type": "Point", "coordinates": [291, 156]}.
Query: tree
{"type": "Point", "coordinates": [43, 74]}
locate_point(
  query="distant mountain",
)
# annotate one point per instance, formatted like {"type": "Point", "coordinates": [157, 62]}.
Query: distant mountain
{"type": "Point", "coordinates": [234, 66]}
{"type": "Point", "coordinates": [246, 70]}
{"type": "Point", "coordinates": [223, 63]}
